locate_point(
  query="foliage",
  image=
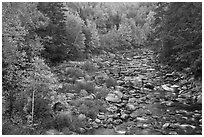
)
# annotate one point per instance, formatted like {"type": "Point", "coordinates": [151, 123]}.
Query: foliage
{"type": "Point", "coordinates": [109, 41]}
{"type": "Point", "coordinates": [75, 37]}
{"type": "Point", "coordinates": [91, 107]}
{"type": "Point", "coordinates": [94, 42]}
{"type": "Point", "coordinates": [124, 35]}
{"type": "Point", "coordinates": [89, 67]}
{"type": "Point", "coordinates": [54, 35]}
{"type": "Point", "coordinates": [24, 72]}
{"type": "Point", "coordinates": [42, 41]}
{"type": "Point", "coordinates": [178, 27]}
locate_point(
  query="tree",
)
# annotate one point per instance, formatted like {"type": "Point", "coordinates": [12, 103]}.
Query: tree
{"type": "Point", "coordinates": [54, 35]}
{"type": "Point", "coordinates": [178, 27]}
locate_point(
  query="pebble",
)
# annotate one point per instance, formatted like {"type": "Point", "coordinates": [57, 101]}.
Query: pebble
{"type": "Point", "coordinates": [105, 125]}
{"type": "Point", "coordinates": [116, 115]}
{"type": "Point", "coordinates": [82, 130]}
{"type": "Point", "coordinates": [141, 119]}
{"type": "Point", "coordinates": [167, 88]}
{"type": "Point", "coordinates": [124, 116]}
{"type": "Point", "coordinates": [52, 132]}
{"type": "Point", "coordinates": [110, 126]}
{"type": "Point", "coordinates": [125, 97]}
{"type": "Point", "coordinates": [146, 125]}
{"type": "Point", "coordinates": [112, 108]}
{"type": "Point", "coordinates": [81, 117]}
{"type": "Point", "coordinates": [113, 98]}
{"type": "Point", "coordinates": [131, 91]}
{"type": "Point", "coordinates": [97, 120]}
{"type": "Point", "coordinates": [117, 121]}
{"type": "Point", "coordinates": [173, 133]}
{"type": "Point", "coordinates": [132, 100]}
{"type": "Point", "coordinates": [200, 120]}
{"type": "Point", "coordinates": [110, 120]}
{"type": "Point", "coordinates": [140, 125]}
{"type": "Point", "coordinates": [149, 86]}
{"type": "Point", "coordinates": [101, 117]}
{"type": "Point", "coordinates": [130, 107]}
{"type": "Point", "coordinates": [95, 125]}
{"type": "Point", "coordinates": [165, 125]}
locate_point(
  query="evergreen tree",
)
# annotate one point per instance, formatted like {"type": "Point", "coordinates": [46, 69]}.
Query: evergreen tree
{"type": "Point", "coordinates": [54, 35]}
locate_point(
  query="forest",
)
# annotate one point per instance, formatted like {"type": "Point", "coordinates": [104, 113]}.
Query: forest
{"type": "Point", "coordinates": [101, 68]}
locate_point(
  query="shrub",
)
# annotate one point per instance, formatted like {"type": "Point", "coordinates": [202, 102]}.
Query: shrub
{"type": "Point", "coordinates": [101, 93]}
{"type": "Point", "coordinates": [68, 88]}
{"type": "Point", "coordinates": [109, 40]}
{"type": "Point", "coordinates": [110, 82]}
{"type": "Point", "coordinates": [94, 42]}
{"type": "Point", "coordinates": [91, 108]}
{"type": "Point", "coordinates": [64, 119]}
{"type": "Point", "coordinates": [75, 36]}
{"type": "Point", "coordinates": [89, 67]}
{"type": "Point", "coordinates": [89, 86]}
{"type": "Point", "coordinates": [124, 35]}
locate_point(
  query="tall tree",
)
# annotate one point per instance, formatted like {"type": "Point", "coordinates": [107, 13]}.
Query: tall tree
{"type": "Point", "coordinates": [54, 35]}
{"type": "Point", "coordinates": [178, 26]}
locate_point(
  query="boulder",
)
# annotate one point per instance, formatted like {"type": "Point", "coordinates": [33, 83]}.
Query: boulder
{"type": "Point", "coordinates": [115, 96]}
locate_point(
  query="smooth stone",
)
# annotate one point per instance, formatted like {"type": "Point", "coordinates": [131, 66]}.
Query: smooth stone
{"type": "Point", "coordinates": [113, 98]}
{"type": "Point", "coordinates": [146, 125]}
{"type": "Point", "coordinates": [82, 117]}
{"type": "Point", "coordinates": [119, 94]}
{"type": "Point", "coordinates": [173, 133]}
{"type": "Point", "coordinates": [141, 119]}
{"type": "Point", "coordinates": [167, 88]}
{"type": "Point", "coordinates": [97, 120]}
{"type": "Point", "coordinates": [165, 125]}
{"type": "Point", "coordinates": [95, 125]}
